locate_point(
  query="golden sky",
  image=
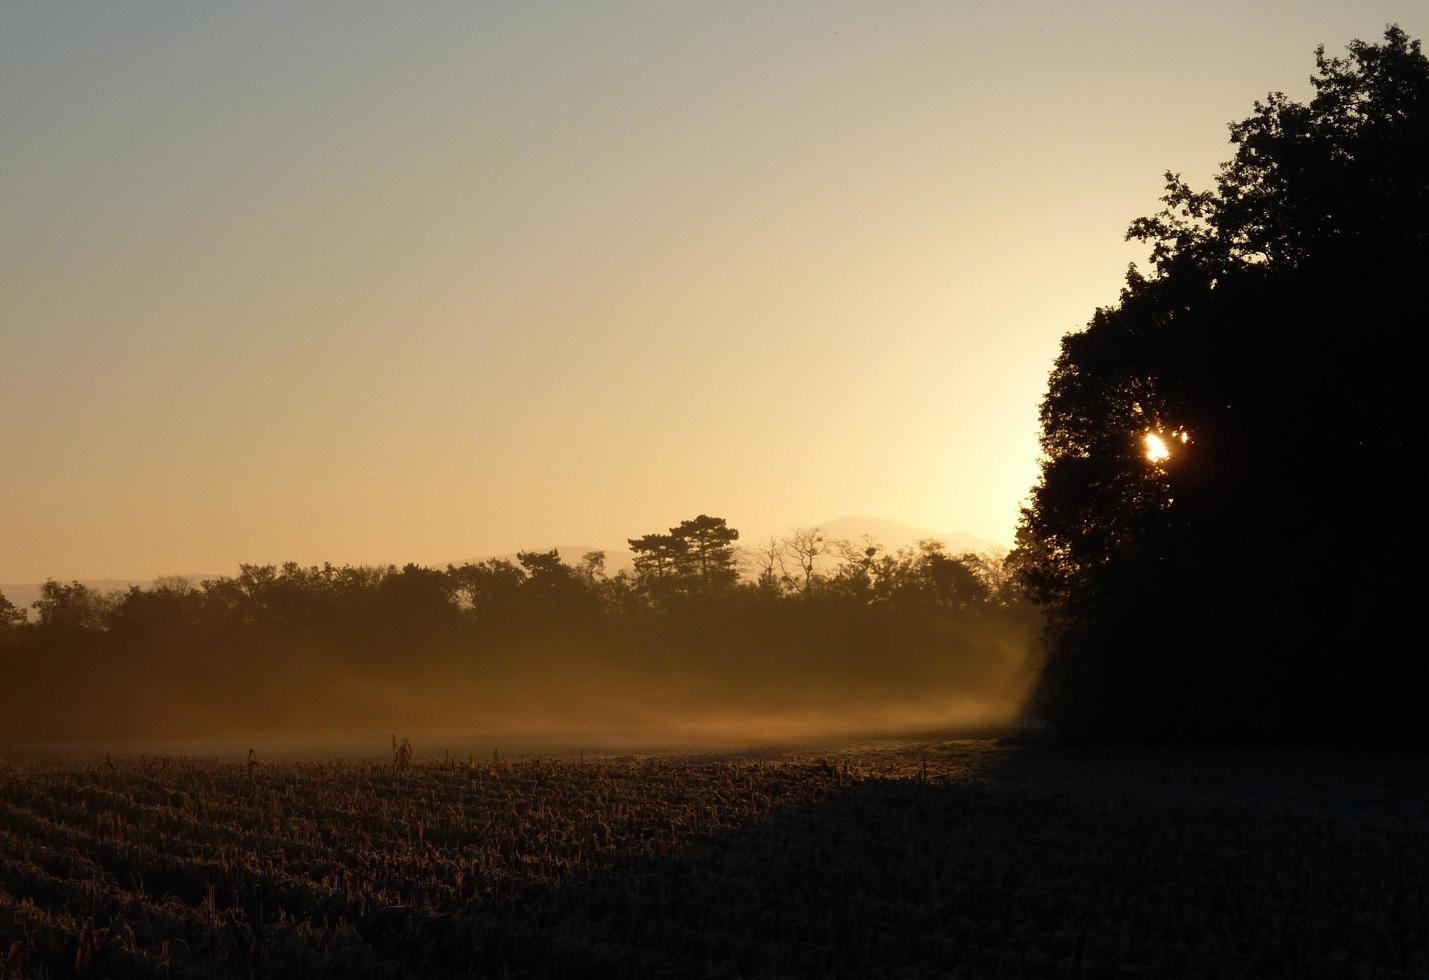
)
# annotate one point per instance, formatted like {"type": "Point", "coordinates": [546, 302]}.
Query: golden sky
{"type": "Point", "coordinates": [387, 282]}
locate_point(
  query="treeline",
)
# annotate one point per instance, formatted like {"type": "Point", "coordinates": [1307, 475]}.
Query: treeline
{"type": "Point", "coordinates": [699, 628]}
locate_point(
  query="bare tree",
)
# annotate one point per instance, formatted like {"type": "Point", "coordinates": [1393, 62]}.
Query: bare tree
{"type": "Point", "coordinates": [804, 547]}
{"type": "Point", "coordinates": [767, 561]}
{"type": "Point", "coordinates": [857, 558]}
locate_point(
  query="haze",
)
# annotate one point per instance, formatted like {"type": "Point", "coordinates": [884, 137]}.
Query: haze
{"type": "Point", "coordinates": [382, 283]}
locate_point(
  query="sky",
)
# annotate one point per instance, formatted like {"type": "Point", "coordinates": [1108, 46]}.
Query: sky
{"type": "Point", "coordinates": [411, 282]}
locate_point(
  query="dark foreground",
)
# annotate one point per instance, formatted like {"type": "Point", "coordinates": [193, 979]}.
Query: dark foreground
{"type": "Point", "coordinates": [954, 859]}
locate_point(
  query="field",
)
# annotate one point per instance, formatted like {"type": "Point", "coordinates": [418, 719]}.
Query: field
{"type": "Point", "coordinates": [962, 859]}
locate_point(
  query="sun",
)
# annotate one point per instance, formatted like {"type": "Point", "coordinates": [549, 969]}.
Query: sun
{"type": "Point", "coordinates": [1156, 449]}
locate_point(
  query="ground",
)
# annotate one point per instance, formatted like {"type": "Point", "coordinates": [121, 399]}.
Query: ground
{"type": "Point", "coordinates": [957, 858]}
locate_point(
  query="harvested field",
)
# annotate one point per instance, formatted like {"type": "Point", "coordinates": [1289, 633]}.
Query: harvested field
{"type": "Point", "coordinates": [956, 859]}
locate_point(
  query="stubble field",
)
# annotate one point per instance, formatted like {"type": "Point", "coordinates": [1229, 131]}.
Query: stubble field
{"type": "Point", "coordinates": [960, 859]}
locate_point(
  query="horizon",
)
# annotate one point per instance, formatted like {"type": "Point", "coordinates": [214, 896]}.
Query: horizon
{"type": "Point", "coordinates": [900, 535]}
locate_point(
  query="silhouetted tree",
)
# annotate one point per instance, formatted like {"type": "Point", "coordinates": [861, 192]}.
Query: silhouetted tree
{"type": "Point", "coordinates": [146, 611]}
{"type": "Point", "coordinates": [559, 595]}
{"type": "Point", "coordinates": [656, 557]}
{"type": "Point", "coordinates": [73, 606]}
{"type": "Point", "coordinates": [592, 566]}
{"type": "Point", "coordinates": [771, 576]}
{"type": "Point", "coordinates": [486, 587]}
{"type": "Point", "coordinates": [704, 552]}
{"type": "Point", "coordinates": [1249, 414]}
{"type": "Point", "coordinates": [952, 580]}
{"type": "Point", "coordinates": [804, 547]}
{"type": "Point", "coordinates": [10, 614]}
{"type": "Point", "coordinates": [415, 595]}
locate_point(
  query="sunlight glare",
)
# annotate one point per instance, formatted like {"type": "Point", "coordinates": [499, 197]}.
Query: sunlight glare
{"type": "Point", "coordinates": [1156, 448]}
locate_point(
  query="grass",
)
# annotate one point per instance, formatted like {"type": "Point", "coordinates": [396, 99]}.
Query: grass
{"type": "Point", "coordinates": [948, 859]}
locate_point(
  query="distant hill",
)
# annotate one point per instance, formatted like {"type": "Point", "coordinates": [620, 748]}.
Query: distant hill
{"type": "Point", "coordinates": [893, 535]}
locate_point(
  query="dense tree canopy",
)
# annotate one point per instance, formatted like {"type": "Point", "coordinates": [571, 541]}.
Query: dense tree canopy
{"type": "Point", "coordinates": [1226, 527]}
